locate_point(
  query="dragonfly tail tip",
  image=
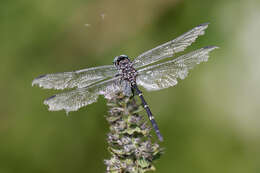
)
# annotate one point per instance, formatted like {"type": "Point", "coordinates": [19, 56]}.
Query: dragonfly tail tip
{"type": "Point", "coordinates": [160, 138]}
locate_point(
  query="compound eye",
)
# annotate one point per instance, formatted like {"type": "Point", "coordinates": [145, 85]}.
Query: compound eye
{"type": "Point", "coordinates": [116, 62]}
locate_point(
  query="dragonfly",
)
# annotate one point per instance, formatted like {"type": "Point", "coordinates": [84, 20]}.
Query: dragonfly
{"type": "Point", "coordinates": [147, 70]}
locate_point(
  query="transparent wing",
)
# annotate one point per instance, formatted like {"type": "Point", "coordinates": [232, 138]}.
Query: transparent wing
{"type": "Point", "coordinates": [170, 48]}
{"type": "Point", "coordinates": [79, 79]}
{"type": "Point", "coordinates": [165, 75]}
{"type": "Point", "coordinates": [73, 100]}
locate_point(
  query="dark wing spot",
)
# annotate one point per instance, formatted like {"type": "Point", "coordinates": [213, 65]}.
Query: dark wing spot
{"type": "Point", "coordinates": [203, 24]}
{"type": "Point", "coordinates": [209, 47]}
{"type": "Point", "coordinates": [41, 76]}
{"type": "Point", "coordinates": [50, 97]}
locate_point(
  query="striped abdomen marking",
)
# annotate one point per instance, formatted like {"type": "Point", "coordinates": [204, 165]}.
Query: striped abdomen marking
{"type": "Point", "coordinates": [149, 113]}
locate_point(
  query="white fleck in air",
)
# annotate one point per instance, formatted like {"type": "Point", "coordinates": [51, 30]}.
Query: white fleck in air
{"type": "Point", "coordinates": [88, 25]}
{"type": "Point", "coordinates": [103, 15]}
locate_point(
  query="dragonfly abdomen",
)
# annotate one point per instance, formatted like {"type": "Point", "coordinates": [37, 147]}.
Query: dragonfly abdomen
{"type": "Point", "coordinates": [149, 113]}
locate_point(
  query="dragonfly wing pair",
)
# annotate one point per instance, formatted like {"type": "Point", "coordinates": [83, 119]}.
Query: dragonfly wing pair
{"type": "Point", "coordinates": [75, 99]}
{"type": "Point", "coordinates": [92, 82]}
{"type": "Point", "coordinates": [165, 75]}
{"type": "Point", "coordinates": [170, 48]}
{"type": "Point", "coordinates": [76, 79]}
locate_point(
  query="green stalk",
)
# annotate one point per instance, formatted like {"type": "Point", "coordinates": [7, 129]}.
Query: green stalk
{"type": "Point", "coordinates": [129, 139]}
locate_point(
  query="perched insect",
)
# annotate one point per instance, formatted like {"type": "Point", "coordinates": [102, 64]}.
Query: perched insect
{"type": "Point", "coordinates": [126, 75]}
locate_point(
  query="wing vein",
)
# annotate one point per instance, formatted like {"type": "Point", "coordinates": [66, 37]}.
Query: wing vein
{"type": "Point", "coordinates": [168, 49]}
{"type": "Point", "coordinates": [165, 74]}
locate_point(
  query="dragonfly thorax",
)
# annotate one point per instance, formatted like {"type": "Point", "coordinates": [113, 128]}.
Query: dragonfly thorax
{"type": "Point", "coordinates": [125, 68]}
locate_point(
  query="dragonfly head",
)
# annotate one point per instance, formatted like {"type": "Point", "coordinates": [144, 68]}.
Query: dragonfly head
{"type": "Point", "coordinates": [121, 59]}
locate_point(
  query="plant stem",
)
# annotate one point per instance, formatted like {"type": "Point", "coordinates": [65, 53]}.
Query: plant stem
{"type": "Point", "coordinates": [129, 139]}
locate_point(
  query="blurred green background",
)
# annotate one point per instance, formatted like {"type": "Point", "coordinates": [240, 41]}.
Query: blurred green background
{"type": "Point", "coordinates": [210, 120]}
